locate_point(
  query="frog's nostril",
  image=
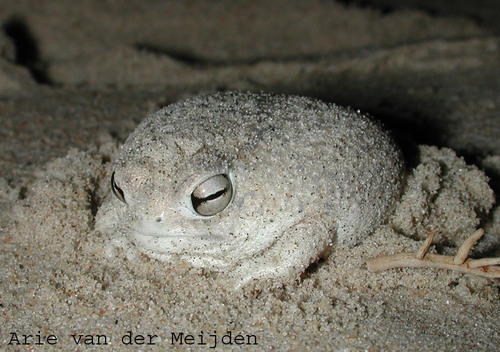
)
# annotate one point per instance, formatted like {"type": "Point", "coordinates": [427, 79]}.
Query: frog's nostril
{"type": "Point", "coordinates": [158, 219]}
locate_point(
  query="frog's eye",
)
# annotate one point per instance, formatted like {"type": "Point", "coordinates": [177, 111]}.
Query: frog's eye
{"type": "Point", "coordinates": [212, 195]}
{"type": "Point", "coordinates": [117, 191]}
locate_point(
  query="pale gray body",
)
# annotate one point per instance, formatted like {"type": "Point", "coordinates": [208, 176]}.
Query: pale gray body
{"type": "Point", "coordinates": [292, 177]}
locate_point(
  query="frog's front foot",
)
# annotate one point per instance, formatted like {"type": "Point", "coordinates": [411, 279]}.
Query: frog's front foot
{"type": "Point", "coordinates": [299, 246]}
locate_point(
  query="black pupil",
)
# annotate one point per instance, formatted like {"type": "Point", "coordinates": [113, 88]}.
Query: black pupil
{"type": "Point", "coordinates": [197, 201]}
{"type": "Point", "coordinates": [215, 195]}
{"type": "Point", "coordinates": [116, 190]}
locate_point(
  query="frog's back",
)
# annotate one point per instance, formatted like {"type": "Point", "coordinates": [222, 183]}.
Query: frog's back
{"type": "Point", "coordinates": [329, 159]}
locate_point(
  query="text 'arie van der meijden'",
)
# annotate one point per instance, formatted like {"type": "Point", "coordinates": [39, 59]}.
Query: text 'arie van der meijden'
{"type": "Point", "coordinates": [131, 339]}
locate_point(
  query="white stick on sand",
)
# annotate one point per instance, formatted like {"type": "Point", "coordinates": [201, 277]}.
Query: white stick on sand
{"type": "Point", "coordinates": [486, 267]}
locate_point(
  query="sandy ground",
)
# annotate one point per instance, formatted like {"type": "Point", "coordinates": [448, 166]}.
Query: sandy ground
{"type": "Point", "coordinates": [75, 80]}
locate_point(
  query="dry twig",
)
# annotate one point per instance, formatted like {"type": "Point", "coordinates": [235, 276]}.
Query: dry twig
{"type": "Point", "coordinates": [486, 267]}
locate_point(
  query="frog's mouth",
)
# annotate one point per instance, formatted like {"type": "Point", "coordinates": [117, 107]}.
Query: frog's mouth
{"type": "Point", "coordinates": [160, 240]}
{"type": "Point", "coordinates": [150, 229]}
{"type": "Point", "coordinates": [162, 235]}
{"type": "Point", "coordinates": [162, 243]}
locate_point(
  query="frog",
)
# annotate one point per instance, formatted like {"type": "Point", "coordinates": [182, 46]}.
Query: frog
{"type": "Point", "coordinates": [253, 186]}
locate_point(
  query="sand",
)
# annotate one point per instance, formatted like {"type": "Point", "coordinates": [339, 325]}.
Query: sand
{"type": "Point", "coordinates": [94, 71]}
